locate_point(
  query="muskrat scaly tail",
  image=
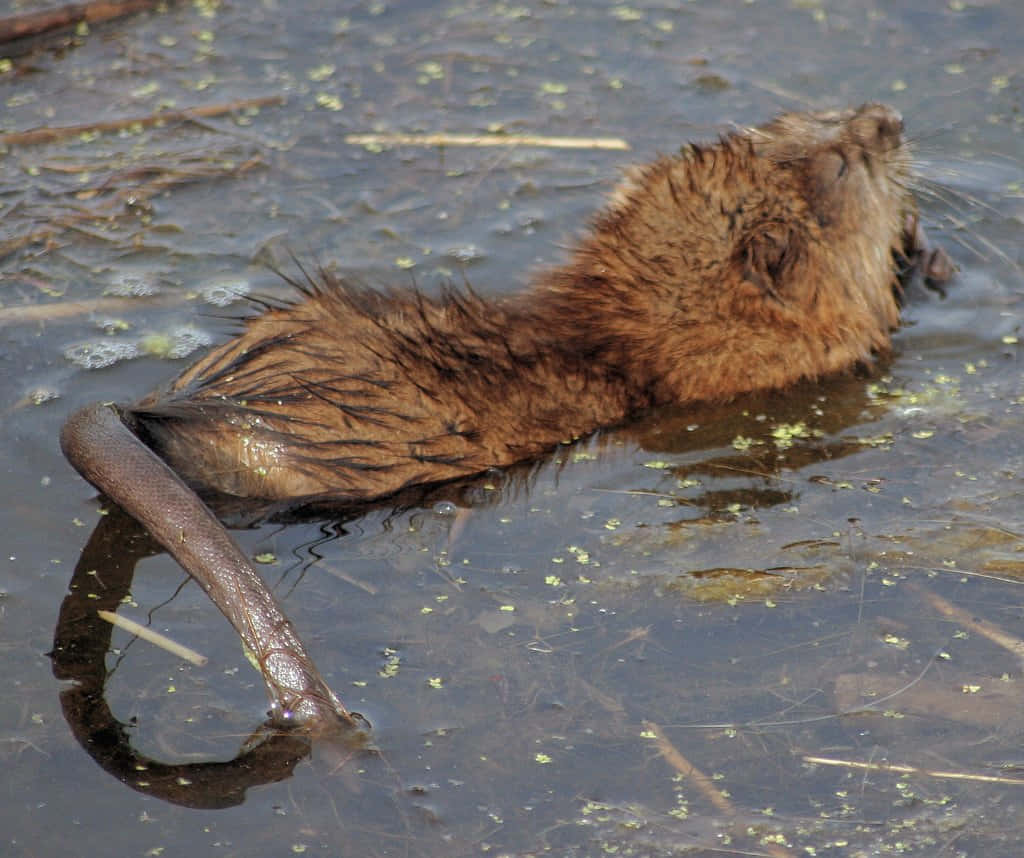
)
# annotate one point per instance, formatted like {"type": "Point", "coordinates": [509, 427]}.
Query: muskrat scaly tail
{"type": "Point", "coordinates": [109, 455]}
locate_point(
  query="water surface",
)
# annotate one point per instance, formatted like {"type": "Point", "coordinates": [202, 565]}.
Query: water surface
{"type": "Point", "coordinates": [538, 670]}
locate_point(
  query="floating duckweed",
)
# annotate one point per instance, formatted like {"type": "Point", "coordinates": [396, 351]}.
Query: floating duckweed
{"type": "Point", "coordinates": [741, 442]}
{"type": "Point", "coordinates": [100, 353]}
{"type": "Point", "coordinates": [581, 555]}
{"type": "Point", "coordinates": [429, 71]}
{"type": "Point", "coordinates": [321, 72]}
{"type": "Point", "coordinates": [784, 433]}
{"type": "Point", "coordinates": [392, 662]}
{"type": "Point", "coordinates": [627, 13]}
{"type": "Point", "coordinates": [175, 344]}
{"type": "Point", "coordinates": [113, 326]}
{"type": "Point", "coordinates": [551, 88]}
{"type": "Point", "coordinates": [328, 101]}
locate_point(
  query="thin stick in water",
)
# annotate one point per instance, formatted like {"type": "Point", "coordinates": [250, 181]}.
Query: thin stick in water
{"type": "Point", "coordinates": [440, 139]}
{"type": "Point", "coordinates": [147, 634]}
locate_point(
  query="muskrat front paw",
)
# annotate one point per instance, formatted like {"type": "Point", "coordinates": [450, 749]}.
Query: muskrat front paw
{"type": "Point", "coordinates": [932, 263]}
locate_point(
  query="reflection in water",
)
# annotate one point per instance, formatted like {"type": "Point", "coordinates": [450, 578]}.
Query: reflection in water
{"type": "Point", "coordinates": [81, 642]}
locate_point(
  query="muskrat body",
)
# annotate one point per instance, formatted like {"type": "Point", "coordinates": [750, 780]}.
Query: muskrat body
{"type": "Point", "coordinates": [766, 258]}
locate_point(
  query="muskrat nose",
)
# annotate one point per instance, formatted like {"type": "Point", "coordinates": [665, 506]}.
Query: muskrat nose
{"type": "Point", "coordinates": [878, 127]}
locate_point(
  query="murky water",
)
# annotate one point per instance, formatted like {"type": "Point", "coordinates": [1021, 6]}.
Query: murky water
{"type": "Point", "coordinates": [541, 672]}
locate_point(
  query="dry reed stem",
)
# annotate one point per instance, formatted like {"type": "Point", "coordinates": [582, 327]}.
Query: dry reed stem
{"type": "Point", "coordinates": [154, 637]}
{"type": "Point", "coordinates": [441, 139]}
{"type": "Point", "coordinates": [911, 770]}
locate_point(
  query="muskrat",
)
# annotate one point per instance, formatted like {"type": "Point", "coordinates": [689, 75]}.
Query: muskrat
{"type": "Point", "coordinates": [768, 257]}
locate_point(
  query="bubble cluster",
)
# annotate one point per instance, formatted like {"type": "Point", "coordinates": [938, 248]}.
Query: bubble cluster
{"type": "Point", "coordinates": [98, 354]}
{"type": "Point", "coordinates": [220, 293]}
{"type": "Point", "coordinates": [465, 254]}
{"type": "Point", "coordinates": [127, 284]}
{"type": "Point", "coordinates": [39, 395]}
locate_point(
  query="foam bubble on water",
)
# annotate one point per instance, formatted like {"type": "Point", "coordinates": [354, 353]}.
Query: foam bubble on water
{"type": "Point", "coordinates": [466, 253]}
{"type": "Point", "coordinates": [220, 293]}
{"type": "Point", "coordinates": [128, 284]}
{"type": "Point", "coordinates": [98, 354]}
{"type": "Point", "coordinates": [39, 395]}
{"type": "Point", "coordinates": [186, 339]}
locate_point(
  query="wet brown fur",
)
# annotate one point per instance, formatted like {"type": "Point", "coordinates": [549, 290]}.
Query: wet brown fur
{"type": "Point", "coordinates": [747, 264]}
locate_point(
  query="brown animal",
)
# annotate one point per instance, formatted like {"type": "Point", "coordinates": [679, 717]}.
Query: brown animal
{"type": "Point", "coordinates": [768, 257]}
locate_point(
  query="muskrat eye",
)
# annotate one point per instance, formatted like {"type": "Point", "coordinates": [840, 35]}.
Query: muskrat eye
{"type": "Point", "coordinates": [825, 180]}
{"type": "Point", "coordinates": [828, 167]}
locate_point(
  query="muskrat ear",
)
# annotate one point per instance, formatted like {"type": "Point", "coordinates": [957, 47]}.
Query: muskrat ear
{"type": "Point", "coordinates": [766, 255]}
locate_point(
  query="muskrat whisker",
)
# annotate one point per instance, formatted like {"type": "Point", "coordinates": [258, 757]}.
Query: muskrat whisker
{"type": "Point", "coordinates": [948, 194]}
{"type": "Point", "coordinates": [963, 227]}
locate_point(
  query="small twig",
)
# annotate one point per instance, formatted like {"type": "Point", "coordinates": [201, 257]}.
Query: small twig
{"type": "Point", "coordinates": [154, 637]}
{"type": "Point", "coordinates": [49, 135]}
{"type": "Point", "coordinates": [16, 27]}
{"type": "Point", "coordinates": [614, 143]}
{"type": "Point", "coordinates": [674, 758]}
{"type": "Point", "coordinates": [69, 309]}
{"type": "Point", "coordinates": [911, 770]}
{"type": "Point", "coordinates": [996, 635]}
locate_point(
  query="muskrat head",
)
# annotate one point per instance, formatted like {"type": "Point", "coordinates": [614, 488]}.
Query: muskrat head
{"type": "Point", "coordinates": [753, 262]}
{"type": "Point", "coordinates": [850, 169]}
